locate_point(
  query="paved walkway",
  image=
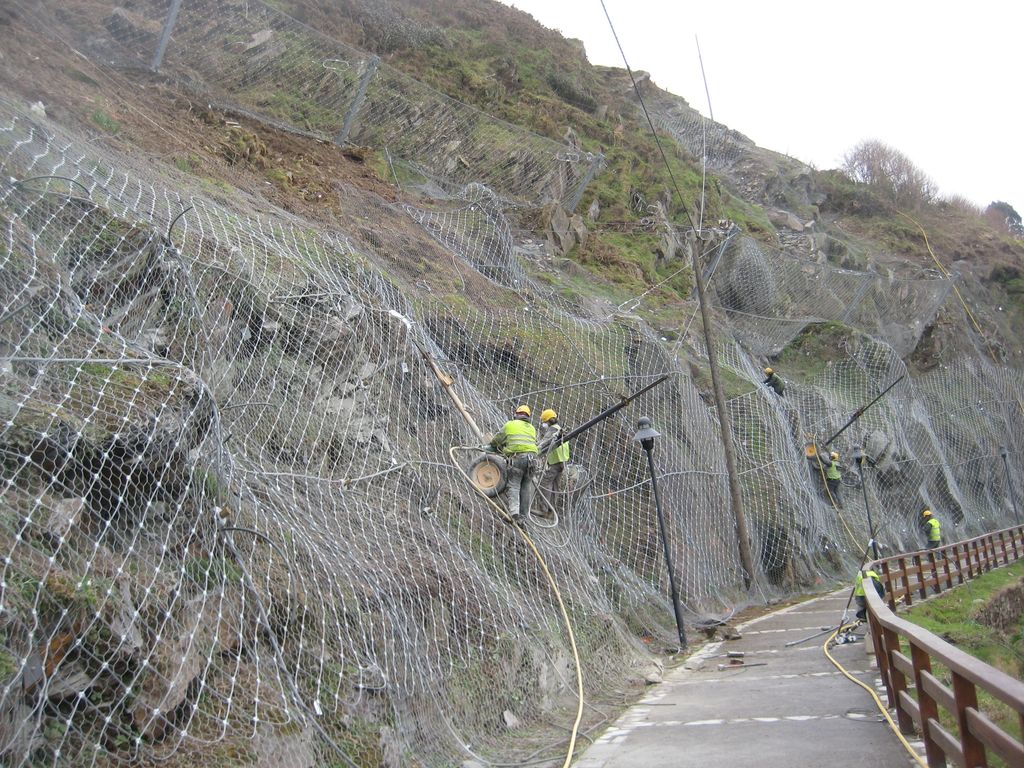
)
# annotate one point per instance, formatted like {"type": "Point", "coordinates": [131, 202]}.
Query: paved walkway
{"type": "Point", "coordinates": [795, 711]}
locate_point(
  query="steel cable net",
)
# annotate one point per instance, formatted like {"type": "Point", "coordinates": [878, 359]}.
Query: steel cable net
{"type": "Point", "coordinates": [720, 146]}
{"type": "Point", "coordinates": [770, 297]}
{"type": "Point", "coordinates": [232, 529]}
{"type": "Point", "coordinates": [231, 525]}
{"type": "Point", "coordinates": [252, 58]}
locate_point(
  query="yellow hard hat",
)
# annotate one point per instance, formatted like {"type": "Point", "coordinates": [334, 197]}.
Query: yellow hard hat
{"type": "Point", "coordinates": [926, 513]}
{"type": "Point", "coordinates": [768, 371]}
{"type": "Point", "coordinates": [835, 456]}
{"type": "Point", "coordinates": [523, 409]}
{"type": "Point", "coordinates": [548, 414]}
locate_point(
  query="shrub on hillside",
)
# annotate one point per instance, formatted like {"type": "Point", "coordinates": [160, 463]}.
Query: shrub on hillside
{"type": "Point", "coordinates": [1005, 217]}
{"type": "Point", "coordinates": [568, 91]}
{"type": "Point", "coordinates": [889, 172]}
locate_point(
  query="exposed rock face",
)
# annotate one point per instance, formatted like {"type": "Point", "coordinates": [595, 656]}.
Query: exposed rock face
{"type": "Point", "coordinates": [277, 746]}
{"type": "Point", "coordinates": [1004, 610]}
{"type": "Point", "coordinates": [205, 626]}
{"type": "Point", "coordinates": [564, 231]}
{"type": "Point", "coordinates": [785, 219]}
{"type": "Point", "coordinates": [736, 273]}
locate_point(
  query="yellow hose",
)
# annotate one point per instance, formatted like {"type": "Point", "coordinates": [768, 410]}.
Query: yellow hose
{"type": "Point", "coordinates": [869, 689]}
{"type": "Point", "coordinates": [574, 734]}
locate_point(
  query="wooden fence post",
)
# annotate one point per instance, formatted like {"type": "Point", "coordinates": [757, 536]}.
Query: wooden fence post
{"type": "Point", "coordinates": [928, 708]}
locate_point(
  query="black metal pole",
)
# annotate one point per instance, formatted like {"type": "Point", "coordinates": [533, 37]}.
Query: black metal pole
{"type": "Point", "coordinates": [1009, 487]}
{"type": "Point", "coordinates": [860, 411]}
{"type": "Point", "coordinates": [871, 526]}
{"type": "Point", "coordinates": [608, 412]}
{"type": "Point", "coordinates": [668, 554]}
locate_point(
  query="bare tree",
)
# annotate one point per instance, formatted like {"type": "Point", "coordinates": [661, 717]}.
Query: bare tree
{"type": "Point", "coordinates": [889, 172]}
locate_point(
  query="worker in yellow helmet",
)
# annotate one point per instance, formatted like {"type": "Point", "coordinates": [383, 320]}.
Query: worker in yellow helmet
{"type": "Point", "coordinates": [772, 380]}
{"type": "Point", "coordinates": [932, 528]}
{"type": "Point", "coordinates": [833, 476]}
{"type": "Point", "coordinates": [557, 457]}
{"type": "Point", "coordinates": [517, 441]}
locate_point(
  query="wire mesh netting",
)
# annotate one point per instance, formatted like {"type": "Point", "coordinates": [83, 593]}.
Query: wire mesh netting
{"type": "Point", "coordinates": [721, 146]}
{"type": "Point", "coordinates": [255, 59]}
{"type": "Point", "coordinates": [231, 515]}
{"type": "Point", "coordinates": [771, 297]}
{"type": "Point", "coordinates": [235, 519]}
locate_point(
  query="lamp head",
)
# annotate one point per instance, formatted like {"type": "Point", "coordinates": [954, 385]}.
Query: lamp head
{"type": "Point", "coordinates": [645, 433]}
{"type": "Point", "coordinates": [858, 454]}
{"type": "Point", "coordinates": [1003, 451]}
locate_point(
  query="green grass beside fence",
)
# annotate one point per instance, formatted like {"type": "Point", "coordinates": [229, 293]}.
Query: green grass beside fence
{"type": "Point", "coordinates": [961, 618]}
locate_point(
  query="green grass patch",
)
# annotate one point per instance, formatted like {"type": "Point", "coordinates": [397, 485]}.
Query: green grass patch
{"type": "Point", "coordinates": [8, 665]}
{"type": "Point", "coordinates": [279, 177]}
{"type": "Point", "coordinates": [631, 262]}
{"type": "Point", "coordinates": [106, 122]}
{"type": "Point", "coordinates": [1011, 280]}
{"type": "Point", "coordinates": [188, 163]}
{"type": "Point", "coordinates": [809, 354]}
{"type": "Point", "coordinates": [953, 616]}
{"type": "Point", "coordinates": [733, 385]}
{"type": "Point", "coordinates": [217, 185]}
{"type": "Point", "coordinates": [752, 219]}
{"type": "Point", "coordinates": [203, 570]}
{"type": "Point", "coordinates": [60, 592]}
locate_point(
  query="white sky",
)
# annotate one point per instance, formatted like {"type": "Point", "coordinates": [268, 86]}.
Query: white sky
{"type": "Point", "coordinates": [939, 81]}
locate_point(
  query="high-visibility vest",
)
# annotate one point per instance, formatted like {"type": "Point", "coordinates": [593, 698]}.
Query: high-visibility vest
{"type": "Point", "coordinates": [832, 471]}
{"type": "Point", "coordinates": [934, 529]}
{"type": "Point", "coordinates": [520, 437]}
{"type": "Point", "coordinates": [858, 587]}
{"type": "Point", "coordinates": [558, 455]}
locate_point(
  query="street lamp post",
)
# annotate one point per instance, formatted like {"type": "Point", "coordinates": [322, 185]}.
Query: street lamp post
{"type": "Point", "coordinates": [859, 457]}
{"type": "Point", "coordinates": [645, 436]}
{"type": "Point", "coordinates": [1009, 483]}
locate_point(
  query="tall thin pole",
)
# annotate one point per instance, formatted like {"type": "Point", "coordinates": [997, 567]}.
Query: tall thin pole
{"type": "Point", "coordinates": [676, 606]}
{"type": "Point", "coordinates": [860, 411]}
{"type": "Point", "coordinates": [723, 417]}
{"type": "Point", "coordinates": [1009, 485]}
{"type": "Point", "coordinates": [867, 506]}
{"type": "Point", "coordinates": [165, 35]}
{"type": "Point", "coordinates": [735, 494]}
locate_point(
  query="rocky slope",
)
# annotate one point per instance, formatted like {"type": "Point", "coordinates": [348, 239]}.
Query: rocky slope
{"type": "Point", "coordinates": [235, 519]}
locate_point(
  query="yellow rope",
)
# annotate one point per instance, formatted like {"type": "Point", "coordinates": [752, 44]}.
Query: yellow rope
{"type": "Point", "coordinates": [558, 596]}
{"type": "Point", "coordinates": [869, 689]}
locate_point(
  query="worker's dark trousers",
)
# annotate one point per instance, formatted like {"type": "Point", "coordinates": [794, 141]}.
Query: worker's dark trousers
{"type": "Point", "coordinates": [862, 606]}
{"type": "Point", "coordinates": [520, 484]}
{"type": "Point", "coordinates": [833, 487]}
{"type": "Point", "coordinates": [548, 484]}
{"type": "Point", "coordinates": [934, 544]}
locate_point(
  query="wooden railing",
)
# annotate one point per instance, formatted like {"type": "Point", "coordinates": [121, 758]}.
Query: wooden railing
{"type": "Point", "coordinates": [906, 653]}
